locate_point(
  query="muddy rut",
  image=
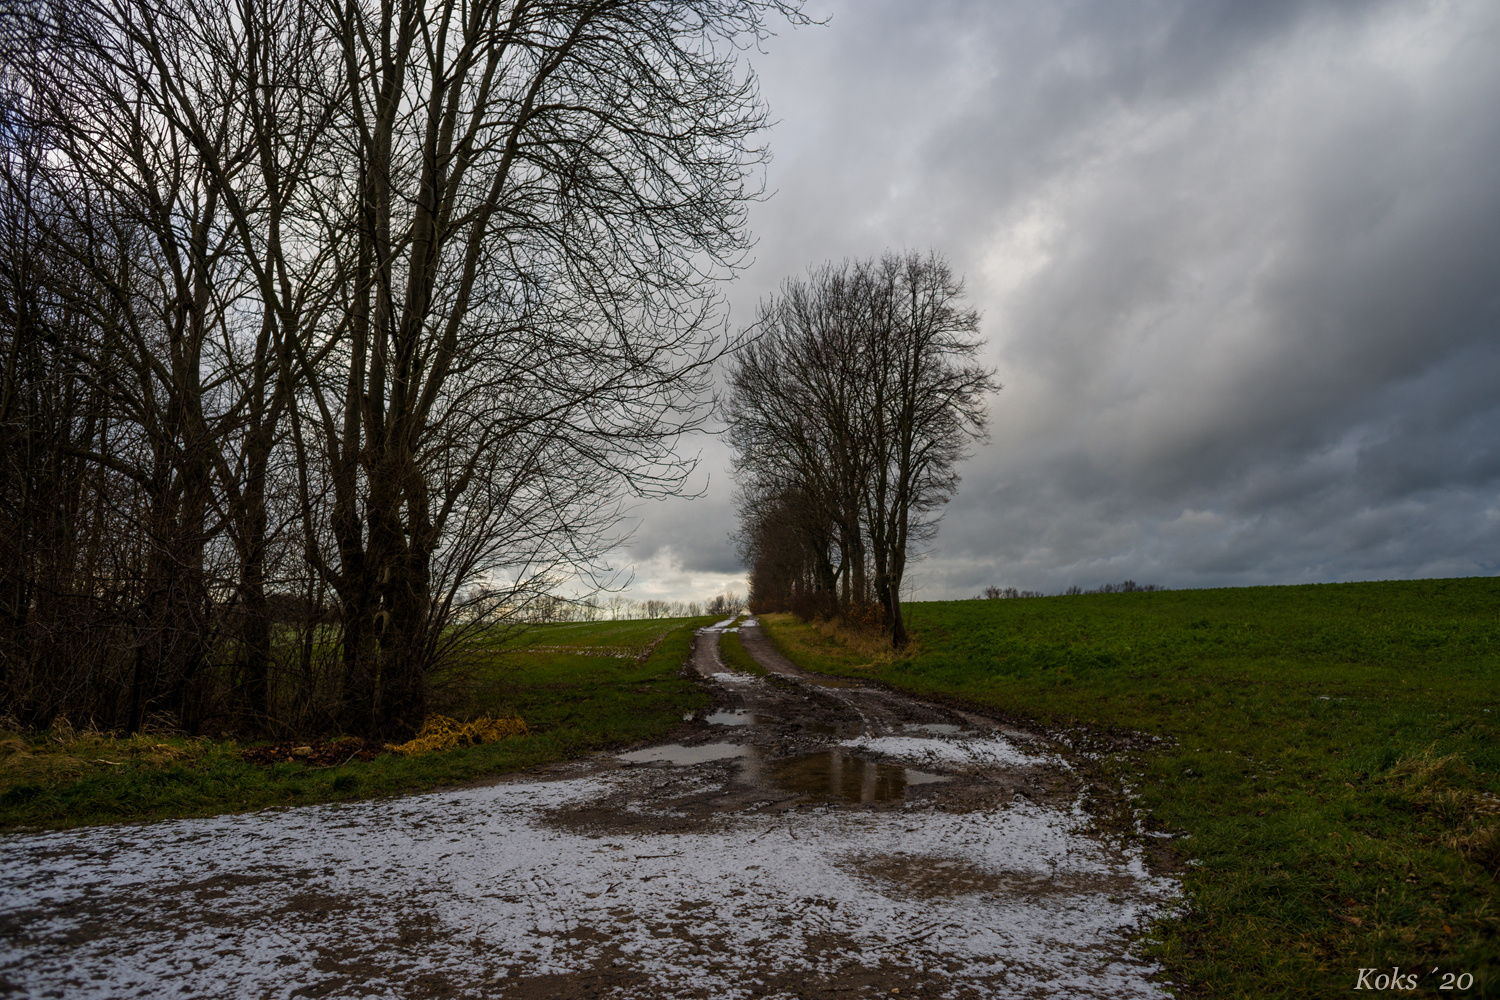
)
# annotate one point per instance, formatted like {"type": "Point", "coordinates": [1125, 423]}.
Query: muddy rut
{"type": "Point", "coordinates": [803, 837]}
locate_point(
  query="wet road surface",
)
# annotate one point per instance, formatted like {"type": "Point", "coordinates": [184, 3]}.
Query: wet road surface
{"type": "Point", "coordinates": [804, 837]}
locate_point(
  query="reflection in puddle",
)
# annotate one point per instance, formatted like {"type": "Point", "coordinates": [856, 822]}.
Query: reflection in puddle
{"type": "Point", "coordinates": [737, 717]}
{"type": "Point", "coordinates": [838, 775]}
{"type": "Point", "coordinates": [672, 753]}
{"type": "Point", "coordinates": [936, 728]}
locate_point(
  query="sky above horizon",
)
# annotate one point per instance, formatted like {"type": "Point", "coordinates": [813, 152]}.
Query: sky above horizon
{"type": "Point", "coordinates": [1238, 263]}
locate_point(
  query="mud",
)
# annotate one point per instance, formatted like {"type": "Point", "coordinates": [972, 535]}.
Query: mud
{"type": "Point", "coordinates": [801, 838]}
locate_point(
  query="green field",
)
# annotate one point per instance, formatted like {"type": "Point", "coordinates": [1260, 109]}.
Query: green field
{"type": "Point", "coordinates": [580, 687]}
{"type": "Point", "coordinates": [1329, 751]}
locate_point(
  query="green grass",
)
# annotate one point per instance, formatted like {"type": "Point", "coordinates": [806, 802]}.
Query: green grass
{"type": "Point", "coordinates": [635, 634]}
{"type": "Point", "coordinates": [732, 652]}
{"type": "Point", "coordinates": [574, 703]}
{"type": "Point", "coordinates": [1332, 751]}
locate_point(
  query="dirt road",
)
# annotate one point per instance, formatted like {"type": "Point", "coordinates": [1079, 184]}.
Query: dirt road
{"type": "Point", "coordinates": [803, 838]}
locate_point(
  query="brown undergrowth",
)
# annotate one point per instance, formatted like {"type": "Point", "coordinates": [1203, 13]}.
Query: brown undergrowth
{"type": "Point", "coordinates": [866, 641]}
{"type": "Point", "coordinates": [63, 753]}
{"type": "Point", "coordinates": [314, 753]}
{"type": "Point", "coordinates": [440, 733]}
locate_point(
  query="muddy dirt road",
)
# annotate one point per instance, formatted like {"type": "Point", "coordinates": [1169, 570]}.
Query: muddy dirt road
{"type": "Point", "coordinates": [800, 839]}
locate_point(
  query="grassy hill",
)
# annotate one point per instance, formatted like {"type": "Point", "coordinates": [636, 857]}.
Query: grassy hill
{"type": "Point", "coordinates": [1330, 754]}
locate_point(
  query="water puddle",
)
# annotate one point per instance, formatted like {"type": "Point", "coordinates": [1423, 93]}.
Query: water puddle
{"type": "Point", "coordinates": [837, 775]}
{"type": "Point", "coordinates": [673, 753]}
{"type": "Point", "coordinates": [925, 751]}
{"type": "Point", "coordinates": [737, 717]}
{"type": "Point", "coordinates": [936, 876]}
{"type": "Point", "coordinates": [729, 678]}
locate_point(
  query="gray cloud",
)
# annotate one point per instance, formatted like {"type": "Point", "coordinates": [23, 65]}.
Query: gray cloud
{"type": "Point", "coordinates": [1239, 263]}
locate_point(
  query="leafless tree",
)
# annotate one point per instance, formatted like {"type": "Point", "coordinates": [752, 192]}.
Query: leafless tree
{"type": "Point", "coordinates": [545, 196]}
{"type": "Point", "coordinates": [927, 397]}
{"type": "Point", "coordinates": [411, 295]}
{"type": "Point", "coordinates": [793, 414]}
{"type": "Point", "coordinates": [851, 409]}
{"type": "Point", "coordinates": [788, 544]}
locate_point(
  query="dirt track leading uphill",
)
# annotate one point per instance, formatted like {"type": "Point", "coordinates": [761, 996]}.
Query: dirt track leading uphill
{"type": "Point", "coordinates": [803, 838]}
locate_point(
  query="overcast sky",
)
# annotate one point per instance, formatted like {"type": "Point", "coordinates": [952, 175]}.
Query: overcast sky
{"type": "Point", "coordinates": [1239, 266]}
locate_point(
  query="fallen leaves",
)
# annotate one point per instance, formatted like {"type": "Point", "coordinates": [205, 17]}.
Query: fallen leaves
{"type": "Point", "coordinates": [317, 754]}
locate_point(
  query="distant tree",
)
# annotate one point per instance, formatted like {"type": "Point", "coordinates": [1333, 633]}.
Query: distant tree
{"type": "Point", "coordinates": [1009, 593]}
{"type": "Point", "coordinates": [849, 413]}
{"type": "Point", "coordinates": [725, 604]}
{"type": "Point", "coordinates": [1125, 587]}
{"type": "Point", "coordinates": [789, 546]}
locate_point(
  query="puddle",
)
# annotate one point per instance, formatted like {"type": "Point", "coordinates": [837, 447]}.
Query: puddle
{"type": "Point", "coordinates": [728, 678]}
{"type": "Point", "coordinates": [948, 876]}
{"type": "Point", "coordinates": [737, 717]}
{"type": "Point", "coordinates": [672, 753]}
{"type": "Point", "coordinates": [984, 753]}
{"type": "Point", "coordinates": [838, 775]}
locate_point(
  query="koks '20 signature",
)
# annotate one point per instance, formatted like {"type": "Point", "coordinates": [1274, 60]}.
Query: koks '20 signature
{"type": "Point", "coordinates": [1374, 979]}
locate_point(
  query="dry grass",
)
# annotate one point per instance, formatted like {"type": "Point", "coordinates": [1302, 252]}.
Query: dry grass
{"type": "Point", "coordinates": [442, 733]}
{"type": "Point", "coordinates": [1446, 787]}
{"type": "Point", "coordinates": [853, 648]}
{"type": "Point", "coordinates": [63, 753]}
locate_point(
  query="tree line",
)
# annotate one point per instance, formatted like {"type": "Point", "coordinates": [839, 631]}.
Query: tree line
{"type": "Point", "coordinates": [335, 332]}
{"type": "Point", "coordinates": [993, 593]}
{"type": "Point", "coordinates": [618, 608]}
{"type": "Point", "coordinates": [848, 412]}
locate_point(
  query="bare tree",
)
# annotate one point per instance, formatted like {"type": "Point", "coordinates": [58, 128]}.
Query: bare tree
{"type": "Point", "coordinates": [793, 413]}
{"type": "Point", "coordinates": [849, 413]}
{"type": "Point", "coordinates": [546, 194]}
{"type": "Point", "coordinates": [926, 396]}
{"type": "Point", "coordinates": [421, 288]}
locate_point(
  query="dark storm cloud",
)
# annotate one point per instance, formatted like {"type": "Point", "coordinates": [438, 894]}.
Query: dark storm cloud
{"type": "Point", "coordinates": [1239, 264]}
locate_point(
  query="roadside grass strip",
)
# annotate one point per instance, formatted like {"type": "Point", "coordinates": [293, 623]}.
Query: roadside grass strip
{"type": "Point", "coordinates": [732, 653]}
{"type": "Point", "coordinates": [1323, 762]}
{"type": "Point", "coordinates": [571, 703]}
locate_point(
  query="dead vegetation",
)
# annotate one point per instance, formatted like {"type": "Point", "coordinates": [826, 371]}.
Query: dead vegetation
{"type": "Point", "coordinates": [62, 753]}
{"type": "Point", "coordinates": [1446, 788]}
{"type": "Point", "coordinates": [440, 732]}
{"type": "Point", "coordinates": [316, 753]}
{"type": "Point", "coordinates": [872, 646]}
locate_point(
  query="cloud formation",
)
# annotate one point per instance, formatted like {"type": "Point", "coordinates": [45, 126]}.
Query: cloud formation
{"type": "Point", "coordinates": [1239, 265]}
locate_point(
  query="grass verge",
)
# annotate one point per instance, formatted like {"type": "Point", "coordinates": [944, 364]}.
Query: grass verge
{"type": "Point", "coordinates": [1332, 753]}
{"type": "Point", "coordinates": [574, 700]}
{"type": "Point", "coordinates": [732, 652]}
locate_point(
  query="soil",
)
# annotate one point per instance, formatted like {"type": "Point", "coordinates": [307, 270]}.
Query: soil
{"type": "Point", "coordinates": [803, 837]}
